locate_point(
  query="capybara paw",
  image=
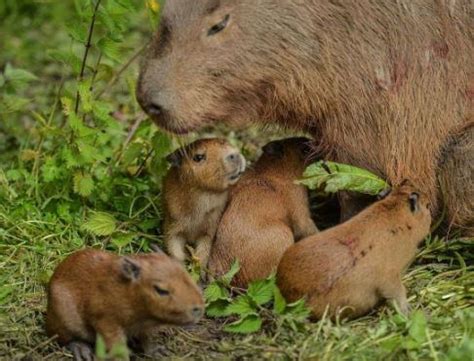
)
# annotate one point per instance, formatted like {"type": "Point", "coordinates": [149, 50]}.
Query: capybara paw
{"type": "Point", "coordinates": [81, 351]}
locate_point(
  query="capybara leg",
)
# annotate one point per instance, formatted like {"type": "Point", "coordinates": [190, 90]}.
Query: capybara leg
{"type": "Point", "coordinates": [395, 292]}
{"type": "Point", "coordinates": [303, 225]}
{"type": "Point", "coordinates": [81, 351]}
{"type": "Point", "coordinates": [148, 343]}
{"type": "Point", "coordinates": [175, 246]}
{"type": "Point", "coordinates": [112, 334]}
{"type": "Point", "coordinates": [456, 179]}
{"type": "Point", "coordinates": [352, 203]}
{"type": "Point", "coordinates": [203, 251]}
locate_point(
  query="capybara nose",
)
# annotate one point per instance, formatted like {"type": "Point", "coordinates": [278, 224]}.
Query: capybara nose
{"type": "Point", "coordinates": [197, 312]}
{"type": "Point", "coordinates": [233, 158]}
{"type": "Point", "coordinates": [154, 109]}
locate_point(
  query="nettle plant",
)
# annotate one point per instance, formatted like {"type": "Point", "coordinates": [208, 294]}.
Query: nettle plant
{"type": "Point", "coordinates": [262, 300]}
{"type": "Point", "coordinates": [90, 150]}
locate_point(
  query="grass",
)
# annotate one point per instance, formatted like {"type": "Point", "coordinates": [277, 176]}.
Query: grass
{"type": "Point", "coordinates": [41, 222]}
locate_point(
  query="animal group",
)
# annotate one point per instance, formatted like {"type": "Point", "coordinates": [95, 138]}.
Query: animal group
{"type": "Point", "coordinates": [259, 216]}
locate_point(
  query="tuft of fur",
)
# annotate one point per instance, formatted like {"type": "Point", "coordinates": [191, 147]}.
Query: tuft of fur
{"type": "Point", "coordinates": [382, 84]}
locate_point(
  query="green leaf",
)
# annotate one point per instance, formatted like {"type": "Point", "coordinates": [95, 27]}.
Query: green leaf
{"type": "Point", "coordinates": [13, 103]}
{"type": "Point", "coordinates": [161, 144]}
{"type": "Point", "coordinates": [100, 348]}
{"type": "Point", "coordinates": [248, 324]}
{"type": "Point", "coordinates": [227, 278]}
{"type": "Point", "coordinates": [218, 308]}
{"type": "Point", "coordinates": [68, 58]}
{"type": "Point", "coordinates": [298, 309]}
{"type": "Point", "coordinates": [122, 239]}
{"type": "Point", "coordinates": [261, 291]}
{"type": "Point", "coordinates": [132, 153]}
{"type": "Point", "coordinates": [241, 306]}
{"type": "Point", "coordinates": [77, 31]}
{"type": "Point", "coordinates": [84, 89]}
{"type": "Point", "coordinates": [101, 224]}
{"type": "Point", "coordinates": [83, 184]}
{"type": "Point", "coordinates": [417, 330]}
{"type": "Point", "coordinates": [15, 75]}
{"type": "Point", "coordinates": [339, 177]}
{"type": "Point", "coordinates": [111, 49]}
{"type": "Point", "coordinates": [279, 303]}
{"type": "Point", "coordinates": [50, 170]}
{"type": "Point", "coordinates": [215, 292]}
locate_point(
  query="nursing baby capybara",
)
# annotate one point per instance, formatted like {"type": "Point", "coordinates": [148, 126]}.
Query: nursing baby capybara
{"type": "Point", "coordinates": [382, 84]}
{"type": "Point", "coordinates": [195, 192]}
{"type": "Point", "coordinates": [351, 268]}
{"type": "Point", "coordinates": [266, 213]}
{"type": "Point", "coordinates": [120, 298]}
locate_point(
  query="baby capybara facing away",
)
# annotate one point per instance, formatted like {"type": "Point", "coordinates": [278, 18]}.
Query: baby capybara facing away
{"type": "Point", "coordinates": [195, 193]}
{"type": "Point", "coordinates": [381, 84]}
{"type": "Point", "coordinates": [94, 292]}
{"type": "Point", "coordinates": [350, 268]}
{"type": "Point", "coordinates": [266, 213]}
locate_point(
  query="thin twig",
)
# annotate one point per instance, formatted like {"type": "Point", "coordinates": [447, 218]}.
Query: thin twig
{"type": "Point", "coordinates": [86, 53]}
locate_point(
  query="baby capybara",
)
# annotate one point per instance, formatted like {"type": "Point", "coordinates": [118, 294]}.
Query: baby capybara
{"type": "Point", "coordinates": [95, 292]}
{"type": "Point", "coordinates": [350, 268]}
{"type": "Point", "coordinates": [267, 212]}
{"type": "Point", "coordinates": [195, 192]}
{"type": "Point", "coordinates": [381, 84]}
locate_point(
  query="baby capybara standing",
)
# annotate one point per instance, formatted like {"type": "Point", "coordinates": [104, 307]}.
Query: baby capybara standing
{"type": "Point", "coordinates": [94, 292]}
{"type": "Point", "coordinates": [382, 84]}
{"type": "Point", "coordinates": [195, 192]}
{"type": "Point", "coordinates": [267, 212]}
{"type": "Point", "coordinates": [350, 268]}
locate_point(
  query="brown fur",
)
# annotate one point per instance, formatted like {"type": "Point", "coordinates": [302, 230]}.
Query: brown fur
{"type": "Point", "coordinates": [358, 263]}
{"type": "Point", "coordinates": [94, 291]}
{"type": "Point", "coordinates": [266, 213]}
{"type": "Point", "coordinates": [381, 83]}
{"type": "Point", "coordinates": [195, 194]}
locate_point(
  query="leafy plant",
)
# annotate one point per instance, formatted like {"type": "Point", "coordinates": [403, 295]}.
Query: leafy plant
{"type": "Point", "coordinates": [251, 306]}
{"type": "Point", "coordinates": [337, 177]}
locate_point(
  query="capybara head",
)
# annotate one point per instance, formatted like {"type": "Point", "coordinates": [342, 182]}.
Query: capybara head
{"type": "Point", "coordinates": [412, 205]}
{"type": "Point", "coordinates": [294, 153]}
{"type": "Point", "coordinates": [221, 60]}
{"type": "Point", "coordinates": [163, 290]}
{"type": "Point", "coordinates": [210, 164]}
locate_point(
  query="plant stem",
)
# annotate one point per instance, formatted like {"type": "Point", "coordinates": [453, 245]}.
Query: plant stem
{"type": "Point", "coordinates": [124, 67]}
{"type": "Point", "coordinates": [86, 52]}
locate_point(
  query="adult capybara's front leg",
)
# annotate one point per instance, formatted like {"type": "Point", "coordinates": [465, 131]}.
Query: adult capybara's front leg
{"type": "Point", "coordinates": [456, 180]}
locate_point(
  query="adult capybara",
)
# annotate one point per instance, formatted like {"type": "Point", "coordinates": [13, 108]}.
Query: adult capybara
{"type": "Point", "coordinates": [350, 268]}
{"type": "Point", "coordinates": [383, 84]}
{"type": "Point", "coordinates": [266, 213]}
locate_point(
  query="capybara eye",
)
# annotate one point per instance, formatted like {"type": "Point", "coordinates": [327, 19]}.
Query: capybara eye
{"type": "Point", "coordinates": [198, 158]}
{"type": "Point", "coordinates": [413, 199]}
{"type": "Point", "coordinates": [161, 291]}
{"type": "Point", "coordinates": [219, 26]}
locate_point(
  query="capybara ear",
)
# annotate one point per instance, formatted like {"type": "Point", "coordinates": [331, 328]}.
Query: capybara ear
{"type": "Point", "coordinates": [274, 148]}
{"type": "Point", "coordinates": [155, 248]}
{"type": "Point", "coordinates": [175, 158]}
{"type": "Point", "coordinates": [413, 200]}
{"type": "Point", "coordinates": [130, 269]}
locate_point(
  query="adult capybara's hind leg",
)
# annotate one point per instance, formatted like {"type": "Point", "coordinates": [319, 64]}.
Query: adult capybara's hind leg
{"type": "Point", "coordinates": [456, 179]}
